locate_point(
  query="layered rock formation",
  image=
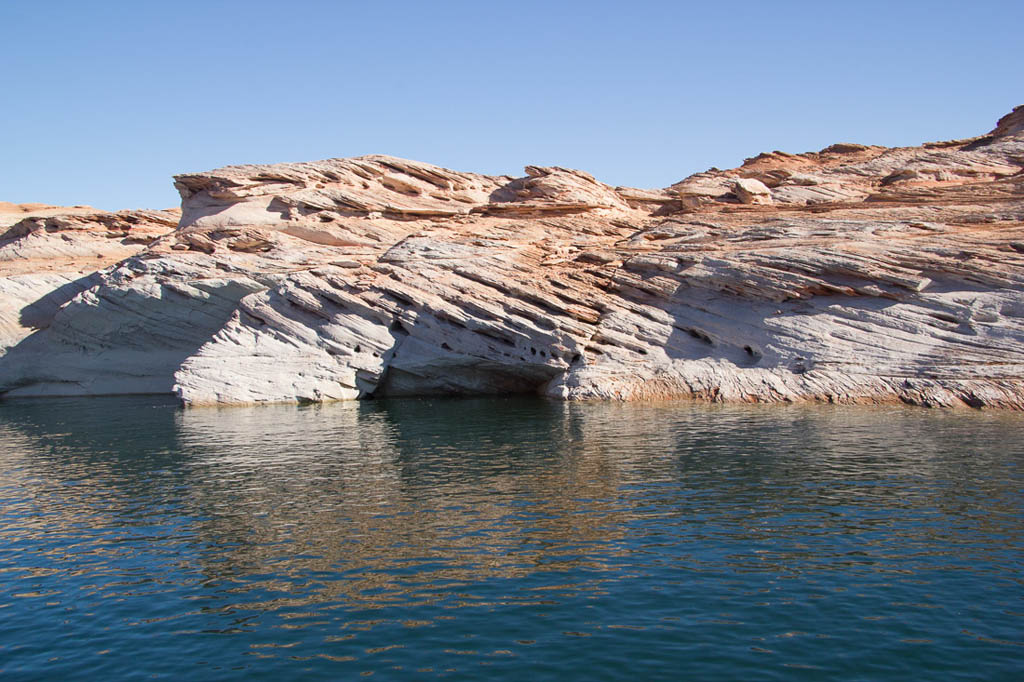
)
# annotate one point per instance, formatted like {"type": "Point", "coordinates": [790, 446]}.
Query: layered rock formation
{"type": "Point", "coordinates": [50, 254]}
{"type": "Point", "coordinates": [853, 274]}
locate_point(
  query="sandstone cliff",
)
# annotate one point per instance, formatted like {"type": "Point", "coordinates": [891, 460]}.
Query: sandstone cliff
{"type": "Point", "coordinates": [854, 274]}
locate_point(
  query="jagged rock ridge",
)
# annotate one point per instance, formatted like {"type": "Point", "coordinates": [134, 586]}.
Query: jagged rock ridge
{"type": "Point", "coordinates": [853, 274]}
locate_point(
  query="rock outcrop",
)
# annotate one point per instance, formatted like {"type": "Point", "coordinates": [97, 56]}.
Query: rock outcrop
{"type": "Point", "coordinates": [50, 254]}
{"type": "Point", "coordinates": [80, 239]}
{"type": "Point", "coordinates": [854, 274]}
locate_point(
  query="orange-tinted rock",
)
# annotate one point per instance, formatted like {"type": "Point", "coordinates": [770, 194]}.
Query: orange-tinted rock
{"type": "Point", "coordinates": [854, 274]}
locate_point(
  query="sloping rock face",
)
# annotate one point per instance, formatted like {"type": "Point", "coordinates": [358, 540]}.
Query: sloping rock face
{"type": "Point", "coordinates": [854, 274]}
{"type": "Point", "coordinates": [50, 254]}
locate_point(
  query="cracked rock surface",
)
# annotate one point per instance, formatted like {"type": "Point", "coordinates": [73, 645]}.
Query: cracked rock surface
{"type": "Point", "coordinates": [857, 274]}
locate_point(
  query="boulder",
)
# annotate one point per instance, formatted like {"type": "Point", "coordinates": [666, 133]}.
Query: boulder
{"type": "Point", "coordinates": [751, 191]}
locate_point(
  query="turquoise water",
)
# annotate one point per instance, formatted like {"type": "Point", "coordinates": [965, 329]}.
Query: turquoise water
{"type": "Point", "coordinates": [509, 539]}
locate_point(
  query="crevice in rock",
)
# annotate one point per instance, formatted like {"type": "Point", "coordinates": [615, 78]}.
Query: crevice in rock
{"type": "Point", "coordinates": [699, 335]}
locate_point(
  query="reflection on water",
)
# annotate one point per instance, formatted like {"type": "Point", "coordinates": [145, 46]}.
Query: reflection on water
{"type": "Point", "coordinates": [582, 541]}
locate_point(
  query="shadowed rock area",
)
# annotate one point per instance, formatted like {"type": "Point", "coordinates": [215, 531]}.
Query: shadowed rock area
{"type": "Point", "coordinates": [856, 274]}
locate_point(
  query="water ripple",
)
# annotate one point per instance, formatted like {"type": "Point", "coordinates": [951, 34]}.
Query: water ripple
{"type": "Point", "coordinates": [508, 538]}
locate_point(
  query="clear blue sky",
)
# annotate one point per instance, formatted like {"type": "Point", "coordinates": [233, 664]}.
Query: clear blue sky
{"type": "Point", "coordinates": [103, 101]}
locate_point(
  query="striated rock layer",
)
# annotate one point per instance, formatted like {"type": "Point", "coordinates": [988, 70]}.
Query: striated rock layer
{"type": "Point", "coordinates": [49, 255]}
{"type": "Point", "coordinates": [853, 274]}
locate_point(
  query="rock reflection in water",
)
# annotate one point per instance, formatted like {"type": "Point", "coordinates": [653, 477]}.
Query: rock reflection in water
{"type": "Point", "coordinates": [376, 535]}
{"type": "Point", "coordinates": [408, 503]}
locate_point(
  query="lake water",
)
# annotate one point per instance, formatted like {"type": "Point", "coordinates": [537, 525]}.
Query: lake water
{"type": "Point", "coordinates": [509, 539]}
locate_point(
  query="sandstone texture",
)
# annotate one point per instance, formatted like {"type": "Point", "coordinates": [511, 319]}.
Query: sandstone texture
{"type": "Point", "coordinates": [856, 274]}
{"type": "Point", "coordinates": [50, 254]}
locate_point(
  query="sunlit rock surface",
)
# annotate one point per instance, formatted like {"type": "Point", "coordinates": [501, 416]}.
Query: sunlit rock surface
{"type": "Point", "coordinates": [48, 256]}
{"type": "Point", "coordinates": [854, 274]}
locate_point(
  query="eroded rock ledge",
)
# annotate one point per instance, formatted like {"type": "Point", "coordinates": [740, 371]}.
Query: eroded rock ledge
{"type": "Point", "coordinates": [854, 274]}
